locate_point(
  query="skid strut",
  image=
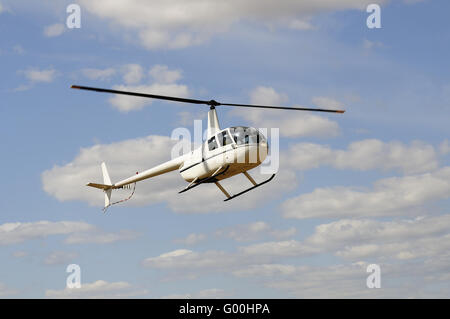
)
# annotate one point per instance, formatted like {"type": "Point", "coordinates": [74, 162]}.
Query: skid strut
{"type": "Point", "coordinates": [211, 178]}
{"type": "Point", "coordinates": [222, 189]}
{"type": "Point", "coordinates": [255, 185]}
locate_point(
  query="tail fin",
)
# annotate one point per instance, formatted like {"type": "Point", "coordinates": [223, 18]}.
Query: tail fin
{"type": "Point", "coordinates": [107, 187]}
{"type": "Point", "coordinates": [106, 178]}
{"type": "Point", "coordinates": [106, 181]}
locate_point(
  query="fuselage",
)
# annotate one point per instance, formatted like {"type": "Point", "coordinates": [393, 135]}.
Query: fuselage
{"type": "Point", "coordinates": [229, 152]}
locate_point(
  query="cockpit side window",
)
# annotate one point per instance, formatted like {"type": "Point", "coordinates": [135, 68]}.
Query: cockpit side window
{"type": "Point", "coordinates": [239, 135]}
{"type": "Point", "coordinates": [252, 135]}
{"type": "Point", "coordinates": [224, 138]}
{"type": "Point", "coordinates": [246, 135]}
{"type": "Point", "coordinates": [212, 143]}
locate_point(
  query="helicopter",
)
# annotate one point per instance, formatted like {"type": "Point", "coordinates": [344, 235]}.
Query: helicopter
{"type": "Point", "coordinates": [225, 152]}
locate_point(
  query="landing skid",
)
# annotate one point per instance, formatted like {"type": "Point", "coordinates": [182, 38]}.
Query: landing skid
{"type": "Point", "coordinates": [213, 179]}
{"type": "Point", "coordinates": [249, 189]}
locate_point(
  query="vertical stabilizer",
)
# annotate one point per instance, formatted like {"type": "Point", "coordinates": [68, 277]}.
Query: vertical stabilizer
{"type": "Point", "coordinates": [106, 181]}
{"type": "Point", "coordinates": [106, 178]}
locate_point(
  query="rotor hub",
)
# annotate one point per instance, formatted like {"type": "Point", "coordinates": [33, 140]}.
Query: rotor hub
{"type": "Point", "coordinates": [213, 103]}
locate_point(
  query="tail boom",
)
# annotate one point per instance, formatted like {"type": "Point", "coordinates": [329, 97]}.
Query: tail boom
{"type": "Point", "coordinates": [108, 186]}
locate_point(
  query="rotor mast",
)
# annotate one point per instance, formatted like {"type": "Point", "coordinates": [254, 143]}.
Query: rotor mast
{"type": "Point", "coordinates": [213, 122]}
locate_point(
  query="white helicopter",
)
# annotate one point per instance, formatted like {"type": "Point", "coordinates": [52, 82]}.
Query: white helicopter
{"type": "Point", "coordinates": [225, 152]}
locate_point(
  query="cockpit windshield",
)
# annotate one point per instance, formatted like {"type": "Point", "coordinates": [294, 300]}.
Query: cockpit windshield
{"type": "Point", "coordinates": [246, 135]}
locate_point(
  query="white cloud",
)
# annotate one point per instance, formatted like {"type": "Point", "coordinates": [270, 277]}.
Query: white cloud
{"type": "Point", "coordinates": [246, 232]}
{"type": "Point", "coordinates": [77, 232]}
{"type": "Point", "coordinates": [399, 239]}
{"type": "Point", "coordinates": [128, 103]}
{"type": "Point", "coordinates": [368, 45]}
{"type": "Point", "coordinates": [412, 1]}
{"type": "Point", "coordinates": [4, 8]}
{"type": "Point", "coordinates": [177, 24]}
{"type": "Point", "coordinates": [414, 251]}
{"type": "Point", "coordinates": [286, 248]}
{"type": "Point", "coordinates": [194, 263]}
{"type": "Point", "coordinates": [327, 103]}
{"type": "Point", "coordinates": [22, 88]}
{"type": "Point", "coordinates": [390, 196]}
{"type": "Point", "coordinates": [408, 280]}
{"type": "Point", "coordinates": [100, 237]}
{"type": "Point", "coordinates": [60, 258]}
{"type": "Point", "coordinates": [99, 74]}
{"type": "Point", "coordinates": [283, 233]}
{"type": "Point", "coordinates": [265, 270]}
{"type": "Point", "coordinates": [417, 157]}
{"type": "Point", "coordinates": [213, 293]}
{"type": "Point", "coordinates": [253, 231]}
{"type": "Point", "coordinates": [187, 118]}
{"type": "Point", "coordinates": [290, 123]}
{"type": "Point", "coordinates": [190, 260]}
{"type": "Point", "coordinates": [98, 290]}
{"type": "Point", "coordinates": [423, 247]}
{"type": "Point", "coordinates": [37, 75]}
{"type": "Point", "coordinates": [157, 39]}
{"type": "Point", "coordinates": [301, 24]}
{"type": "Point", "coordinates": [267, 96]}
{"type": "Point", "coordinates": [241, 233]}
{"type": "Point", "coordinates": [162, 74]}
{"type": "Point", "coordinates": [20, 254]}
{"type": "Point", "coordinates": [350, 231]}
{"type": "Point", "coordinates": [337, 281]}
{"type": "Point", "coordinates": [13, 233]}
{"type": "Point", "coordinates": [363, 239]}
{"type": "Point", "coordinates": [351, 239]}
{"type": "Point", "coordinates": [5, 291]}
{"type": "Point", "coordinates": [133, 73]}
{"type": "Point", "coordinates": [191, 239]}
{"type": "Point", "coordinates": [18, 49]}
{"type": "Point", "coordinates": [54, 30]}
{"type": "Point", "coordinates": [444, 148]}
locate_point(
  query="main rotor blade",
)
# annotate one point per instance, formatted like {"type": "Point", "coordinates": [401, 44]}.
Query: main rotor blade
{"type": "Point", "coordinates": [284, 108]}
{"type": "Point", "coordinates": [153, 96]}
{"type": "Point", "coordinates": [211, 103]}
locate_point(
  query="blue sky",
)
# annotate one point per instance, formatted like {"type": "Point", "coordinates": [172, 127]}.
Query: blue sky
{"type": "Point", "coordinates": [369, 186]}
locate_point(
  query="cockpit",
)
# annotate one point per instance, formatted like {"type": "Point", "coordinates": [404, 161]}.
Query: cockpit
{"type": "Point", "coordinates": [239, 135]}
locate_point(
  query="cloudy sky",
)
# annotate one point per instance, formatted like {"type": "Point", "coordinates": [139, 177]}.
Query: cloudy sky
{"type": "Point", "coordinates": [371, 186]}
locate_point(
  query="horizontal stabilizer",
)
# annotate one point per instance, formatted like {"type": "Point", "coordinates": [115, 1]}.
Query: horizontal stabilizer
{"type": "Point", "coordinates": [100, 186]}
